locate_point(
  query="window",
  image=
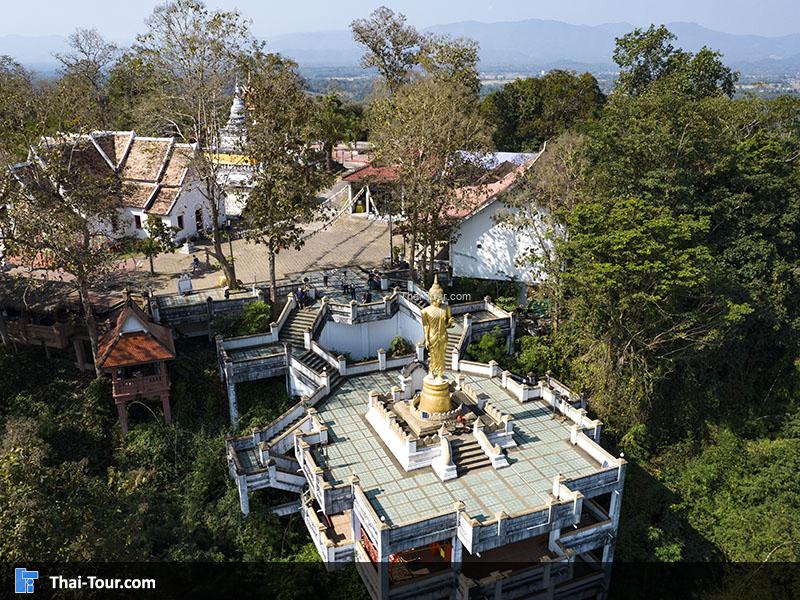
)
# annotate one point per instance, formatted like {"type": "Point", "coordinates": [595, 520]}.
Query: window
{"type": "Point", "coordinates": [180, 221]}
{"type": "Point", "coordinates": [137, 221]}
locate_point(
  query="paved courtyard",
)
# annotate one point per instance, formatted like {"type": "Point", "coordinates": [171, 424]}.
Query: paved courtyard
{"type": "Point", "coordinates": [346, 242]}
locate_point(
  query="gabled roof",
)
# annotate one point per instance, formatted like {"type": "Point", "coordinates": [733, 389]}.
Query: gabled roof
{"type": "Point", "coordinates": [134, 340]}
{"type": "Point", "coordinates": [372, 174]}
{"type": "Point", "coordinates": [503, 175]}
{"type": "Point", "coordinates": [153, 170]}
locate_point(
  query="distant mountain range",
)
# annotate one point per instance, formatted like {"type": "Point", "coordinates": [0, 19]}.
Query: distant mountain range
{"type": "Point", "coordinates": [519, 45]}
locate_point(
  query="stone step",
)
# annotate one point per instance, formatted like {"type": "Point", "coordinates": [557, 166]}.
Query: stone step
{"type": "Point", "coordinates": [465, 455]}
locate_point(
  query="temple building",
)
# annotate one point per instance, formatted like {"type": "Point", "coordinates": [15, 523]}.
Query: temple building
{"type": "Point", "coordinates": [158, 178]}
{"type": "Point", "coordinates": [439, 476]}
{"type": "Point", "coordinates": [135, 354]}
{"type": "Point", "coordinates": [234, 171]}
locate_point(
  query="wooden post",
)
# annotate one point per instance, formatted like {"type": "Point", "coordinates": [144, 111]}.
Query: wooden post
{"type": "Point", "coordinates": [122, 411]}
{"type": "Point", "coordinates": [165, 406]}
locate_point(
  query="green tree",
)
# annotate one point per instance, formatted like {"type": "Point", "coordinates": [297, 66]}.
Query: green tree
{"type": "Point", "coordinates": [331, 124]}
{"type": "Point", "coordinates": [158, 240]}
{"type": "Point", "coordinates": [62, 213]}
{"type": "Point", "coordinates": [432, 132]}
{"type": "Point", "coordinates": [255, 318]}
{"type": "Point", "coordinates": [194, 54]}
{"type": "Point", "coordinates": [285, 182]}
{"type": "Point", "coordinates": [528, 112]}
{"type": "Point", "coordinates": [491, 347]}
{"type": "Point", "coordinates": [18, 111]}
{"type": "Point", "coordinates": [390, 46]}
{"type": "Point", "coordinates": [647, 56]}
{"type": "Point", "coordinates": [454, 60]}
{"type": "Point", "coordinates": [85, 75]}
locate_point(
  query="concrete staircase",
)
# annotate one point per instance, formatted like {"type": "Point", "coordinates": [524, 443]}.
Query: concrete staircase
{"type": "Point", "coordinates": [295, 326]}
{"type": "Point", "coordinates": [319, 364]}
{"type": "Point", "coordinates": [453, 338]}
{"type": "Point", "coordinates": [468, 456]}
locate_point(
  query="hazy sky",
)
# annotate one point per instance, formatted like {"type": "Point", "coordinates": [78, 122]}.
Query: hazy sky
{"type": "Point", "coordinates": [122, 19]}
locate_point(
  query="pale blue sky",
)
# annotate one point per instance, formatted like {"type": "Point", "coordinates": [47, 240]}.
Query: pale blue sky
{"type": "Point", "coordinates": [122, 19]}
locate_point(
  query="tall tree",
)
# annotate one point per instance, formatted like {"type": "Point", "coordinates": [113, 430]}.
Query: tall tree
{"type": "Point", "coordinates": [85, 73]}
{"type": "Point", "coordinates": [648, 56]}
{"type": "Point", "coordinates": [527, 112]}
{"type": "Point", "coordinates": [63, 212]}
{"type": "Point", "coordinates": [391, 46]}
{"type": "Point", "coordinates": [331, 124]}
{"type": "Point", "coordinates": [195, 53]}
{"type": "Point", "coordinates": [454, 60]}
{"type": "Point", "coordinates": [18, 110]}
{"type": "Point", "coordinates": [432, 132]}
{"type": "Point", "coordinates": [285, 181]}
{"type": "Point", "coordinates": [158, 240]}
{"type": "Point", "coordinates": [541, 204]}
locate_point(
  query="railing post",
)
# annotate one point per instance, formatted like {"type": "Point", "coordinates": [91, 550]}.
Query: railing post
{"type": "Point", "coordinates": [381, 359]}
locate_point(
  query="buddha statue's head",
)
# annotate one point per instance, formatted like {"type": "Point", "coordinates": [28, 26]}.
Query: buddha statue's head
{"type": "Point", "coordinates": [436, 293]}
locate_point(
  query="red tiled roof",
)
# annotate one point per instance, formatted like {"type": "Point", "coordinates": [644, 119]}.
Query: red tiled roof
{"type": "Point", "coordinates": [372, 174]}
{"type": "Point", "coordinates": [473, 198]}
{"type": "Point", "coordinates": [123, 349]}
{"type": "Point", "coordinates": [135, 348]}
{"type": "Point", "coordinates": [178, 164]}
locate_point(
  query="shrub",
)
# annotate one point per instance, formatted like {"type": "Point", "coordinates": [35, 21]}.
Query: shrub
{"type": "Point", "coordinates": [492, 346]}
{"type": "Point", "coordinates": [255, 319]}
{"type": "Point", "coordinates": [400, 347]}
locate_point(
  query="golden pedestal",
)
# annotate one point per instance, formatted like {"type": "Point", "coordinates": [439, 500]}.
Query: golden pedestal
{"type": "Point", "coordinates": [435, 396]}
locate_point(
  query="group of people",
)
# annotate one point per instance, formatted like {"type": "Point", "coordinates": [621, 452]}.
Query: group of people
{"type": "Point", "coordinates": [302, 296]}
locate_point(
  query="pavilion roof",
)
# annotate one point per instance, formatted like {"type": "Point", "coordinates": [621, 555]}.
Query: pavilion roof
{"type": "Point", "coordinates": [149, 343]}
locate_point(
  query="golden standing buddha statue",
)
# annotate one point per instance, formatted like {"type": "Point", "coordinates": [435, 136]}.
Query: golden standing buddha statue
{"type": "Point", "coordinates": [435, 395]}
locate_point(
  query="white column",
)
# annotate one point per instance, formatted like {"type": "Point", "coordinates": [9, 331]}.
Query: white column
{"type": "Point", "coordinates": [232, 405]}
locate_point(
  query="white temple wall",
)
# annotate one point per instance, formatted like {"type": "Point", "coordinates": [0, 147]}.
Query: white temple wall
{"type": "Point", "coordinates": [362, 340]}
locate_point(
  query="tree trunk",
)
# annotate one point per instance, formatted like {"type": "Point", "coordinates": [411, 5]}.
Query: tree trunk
{"type": "Point", "coordinates": [91, 326]}
{"type": "Point", "coordinates": [273, 284]}
{"type": "Point", "coordinates": [391, 247]}
{"type": "Point", "coordinates": [152, 268]}
{"type": "Point", "coordinates": [412, 252]}
{"type": "Point", "coordinates": [216, 235]}
{"type": "Point", "coordinates": [219, 255]}
{"type": "Point", "coordinates": [328, 158]}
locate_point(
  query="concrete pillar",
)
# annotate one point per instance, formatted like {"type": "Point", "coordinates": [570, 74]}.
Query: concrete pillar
{"type": "Point", "coordinates": [353, 310]}
{"type": "Point", "coordinates": [381, 359]}
{"type": "Point", "coordinates": [554, 535]}
{"type": "Point", "coordinates": [342, 365]}
{"type": "Point", "coordinates": [122, 412]}
{"type": "Point", "coordinates": [512, 325]}
{"type": "Point", "coordinates": [420, 351]}
{"type": "Point", "coordinates": [456, 552]}
{"type": "Point", "coordinates": [244, 501]}
{"type": "Point", "coordinates": [494, 368]}
{"type": "Point", "coordinates": [165, 406]}
{"type": "Point", "coordinates": [326, 380]}
{"type": "Point", "coordinates": [355, 524]}
{"type": "Point", "coordinates": [383, 565]}
{"type": "Point", "coordinates": [233, 407]}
